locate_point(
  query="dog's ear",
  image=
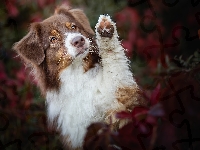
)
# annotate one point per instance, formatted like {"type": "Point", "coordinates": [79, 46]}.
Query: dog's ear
{"type": "Point", "coordinates": [29, 47]}
{"type": "Point", "coordinates": [78, 15]}
{"type": "Point", "coordinates": [82, 19]}
{"type": "Point", "coordinates": [63, 9]}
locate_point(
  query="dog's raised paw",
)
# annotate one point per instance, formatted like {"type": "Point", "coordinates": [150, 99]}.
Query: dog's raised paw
{"type": "Point", "coordinates": [105, 26]}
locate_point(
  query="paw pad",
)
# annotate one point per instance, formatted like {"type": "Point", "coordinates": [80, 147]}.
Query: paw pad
{"type": "Point", "coordinates": [105, 28]}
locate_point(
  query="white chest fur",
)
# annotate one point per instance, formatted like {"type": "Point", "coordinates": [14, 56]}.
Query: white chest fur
{"type": "Point", "coordinates": [82, 99]}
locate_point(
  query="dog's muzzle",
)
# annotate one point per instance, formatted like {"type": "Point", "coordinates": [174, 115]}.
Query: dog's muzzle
{"type": "Point", "coordinates": [76, 44]}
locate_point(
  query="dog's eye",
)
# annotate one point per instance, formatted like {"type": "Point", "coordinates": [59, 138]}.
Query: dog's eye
{"type": "Point", "coordinates": [52, 39]}
{"type": "Point", "coordinates": [73, 26]}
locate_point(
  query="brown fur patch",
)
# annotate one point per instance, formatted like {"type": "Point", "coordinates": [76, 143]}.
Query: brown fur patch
{"type": "Point", "coordinates": [128, 96]}
{"type": "Point", "coordinates": [128, 99]}
{"type": "Point", "coordinates": [110, 118]}
{"type": "Point", "coordinates": [93, 56]}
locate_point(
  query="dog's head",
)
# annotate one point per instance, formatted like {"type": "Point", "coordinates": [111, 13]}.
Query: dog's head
{"type": "Point", "coordinates": [53, 44]}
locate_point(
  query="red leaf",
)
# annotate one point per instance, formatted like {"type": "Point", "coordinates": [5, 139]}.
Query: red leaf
{"type": "Point", "coordinates": [2, 76]}
{"type": "Point", "coordinates": [127, 44]}
{"type": "Point", "coordinates": [155, 95]}
{"type": "Point", "coordinates": [12, 9]}
{"type": "Point", "coordinates": [36, 18]}
{"type": "Point", "coordinates": [123, 115]}
{"type": "Point", "coordinates": [139, 111]}
{"type": "Point", "coordinates": [143, 127]}
{"type": "Point", "coordinates": [41, 3]}
{"type": "Point", "coordinates": [99, 135]}
{"type": "Point", "coordinates": [157, 110]}
{"type": "Point", "coordinates": [2, 72]}
{"type": "Point", "coordinates": [21, 75]}
{"type": "Point", "coordinates": [151, 120]}
{"type": "Point", "coordinates": [127, 137]}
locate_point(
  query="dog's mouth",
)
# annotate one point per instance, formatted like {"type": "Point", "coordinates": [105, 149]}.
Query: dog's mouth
{"type": "Point", "coordinates": [82, 51]}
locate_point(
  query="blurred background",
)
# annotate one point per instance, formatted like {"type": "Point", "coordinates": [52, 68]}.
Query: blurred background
{"type": "Point", "coordinates": [161, 40]}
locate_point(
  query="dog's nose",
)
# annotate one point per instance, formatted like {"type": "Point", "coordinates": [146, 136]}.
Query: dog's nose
{"type": "Point", "coordinates": [78, 41]}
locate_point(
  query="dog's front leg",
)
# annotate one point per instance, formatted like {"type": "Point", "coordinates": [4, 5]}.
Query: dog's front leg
{"type": "Point", "coordinates": [115, 63]}
{"type": "Point", "coordinates": [117, 77]}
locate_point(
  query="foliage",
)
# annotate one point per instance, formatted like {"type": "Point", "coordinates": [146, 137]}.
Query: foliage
{"type": "Point", "coordinates": [158, 42]}
{"type": "Point", "coordinates": [99, 7]}
{"type": "Point", "coordinates": [191, 61]}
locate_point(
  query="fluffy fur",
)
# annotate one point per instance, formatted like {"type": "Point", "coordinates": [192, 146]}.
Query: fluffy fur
{"type": "Point", "coordinates": [84, 79]}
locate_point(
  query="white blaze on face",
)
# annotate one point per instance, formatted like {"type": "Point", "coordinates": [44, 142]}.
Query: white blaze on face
{"type": "Point", "coordinates": [74, 51]}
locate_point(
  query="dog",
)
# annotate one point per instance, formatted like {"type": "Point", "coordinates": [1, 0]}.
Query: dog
{"type": "Point", "coordinates": [84, 76]}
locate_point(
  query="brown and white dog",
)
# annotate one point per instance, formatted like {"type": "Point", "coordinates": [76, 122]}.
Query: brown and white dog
{"type": "Point", "coordinates": [84, 79]}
